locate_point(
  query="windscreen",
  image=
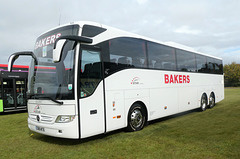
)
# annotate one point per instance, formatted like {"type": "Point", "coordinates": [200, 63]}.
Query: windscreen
{"type": "Point", "coordinates": [48, 79]}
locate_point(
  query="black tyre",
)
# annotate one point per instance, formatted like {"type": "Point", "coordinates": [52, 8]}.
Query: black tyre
{"type": "Point", "coordinates": [203, 102]}
{"type": "Point", "coordinates": [136, 117]}
{"type": "Point", "coordinates": [212, 100]}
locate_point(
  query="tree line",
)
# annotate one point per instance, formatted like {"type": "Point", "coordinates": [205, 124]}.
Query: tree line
{"type": "Point", "coordinates": [232, 75]}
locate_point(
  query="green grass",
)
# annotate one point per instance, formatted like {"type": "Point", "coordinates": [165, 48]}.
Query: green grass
{"type": "Point", "coordinates": [212, 134]}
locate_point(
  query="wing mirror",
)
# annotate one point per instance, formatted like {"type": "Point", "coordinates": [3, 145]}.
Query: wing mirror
{"type": "Point", "coordinates": [15, 56]}
{"type": "Point", "coordinates": [60, 42]}
{"type": "Point", "coordinates": [57, 49]}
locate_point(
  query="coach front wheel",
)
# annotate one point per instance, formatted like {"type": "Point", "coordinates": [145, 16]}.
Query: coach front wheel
{"type": "Point", "coordinates": [136, 117]}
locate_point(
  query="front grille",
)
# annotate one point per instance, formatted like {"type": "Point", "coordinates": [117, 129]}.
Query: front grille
{"type": "Point", "coordinates": [42, 118]}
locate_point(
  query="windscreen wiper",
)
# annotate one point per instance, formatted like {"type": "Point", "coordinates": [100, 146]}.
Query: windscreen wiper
{"type": "Point", "coordinates": [46, 97]}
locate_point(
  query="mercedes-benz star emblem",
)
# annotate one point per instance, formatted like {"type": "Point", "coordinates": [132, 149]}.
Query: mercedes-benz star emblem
{"type": "Point", "coordinates": [38, 118]}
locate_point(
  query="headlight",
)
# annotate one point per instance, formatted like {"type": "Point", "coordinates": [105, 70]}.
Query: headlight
{"type": "Point", "coordinates": [64, 118]}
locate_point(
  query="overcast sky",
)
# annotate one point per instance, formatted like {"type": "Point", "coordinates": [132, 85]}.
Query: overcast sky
{"type": "Point", "coordinates": [208, 26]}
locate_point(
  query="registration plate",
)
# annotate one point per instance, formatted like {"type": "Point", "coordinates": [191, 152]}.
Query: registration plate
{"type": "Point", "coordinates": [40, 129]}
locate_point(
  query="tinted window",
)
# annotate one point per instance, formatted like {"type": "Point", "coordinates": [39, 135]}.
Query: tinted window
{"type": "Point", "coordinates": [219, 66]}
{"type": "Point", "coordinates": [214, 65]}
{"type": "Point", "coordinates": [211, 65]}
{"type": "Point", "coordinates": [91, 31]}
{"type": "Point", "coordinates": [185, 61]}
{"type": "Point", "coordinates": [128, 52]}
{"type": "Point", "coordinates": [161, 57]}
{"type": "Point", "coordinates": [201, 63]}
{"type": "Point", "coordinates": [121, 53]}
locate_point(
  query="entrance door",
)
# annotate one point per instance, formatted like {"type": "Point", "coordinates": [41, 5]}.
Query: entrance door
{"type": "Point", "coordinates": [92, 118]}
{"type": "Point", "coordinates": [21, 100]}
{"type": "Point", "coordinates": [8, 94]}
{"type": "Point", "coordinates": [14, 94]}
{"type": "Point", "coordinates": [1, 100]}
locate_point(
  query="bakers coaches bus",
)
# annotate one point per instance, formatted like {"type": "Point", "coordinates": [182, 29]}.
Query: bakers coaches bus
{"type": "Point", "coordinates": [87, 79]}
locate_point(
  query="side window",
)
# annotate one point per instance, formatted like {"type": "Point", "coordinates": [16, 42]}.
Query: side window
{"type": "Point", "coordinates": [219, 66]}
{"type": "Point", "coordinates": [214, 65]}
{"type": "Point", "coordinates": [201, 63]}
{"type": "Point", "coordinates": [127, 52]}
{"type": "Point", "coordinates": [90, 72]}
{"type": "Point", "coordinates": [211, 65]}
{"type": "Point", "coordinates": [161, 57]}
{"type": "Point", "coordinates": [185, 61]}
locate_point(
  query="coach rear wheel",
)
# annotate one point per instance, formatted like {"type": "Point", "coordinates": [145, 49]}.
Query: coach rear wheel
{"type": "Point", "coordinates": [136, 118]}
{"type": "Point", "coordinates": [203, 102]}
{"type": "Point", "coordinates": [211, 100]}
